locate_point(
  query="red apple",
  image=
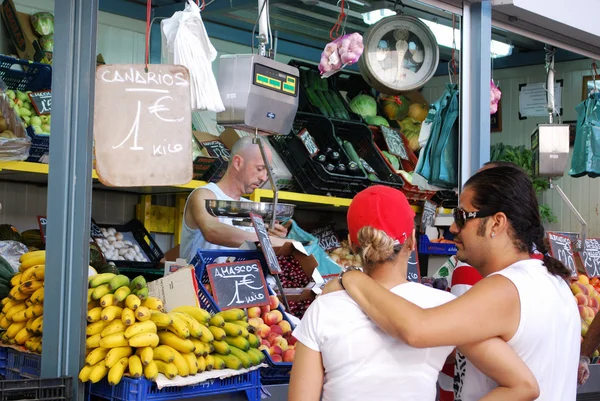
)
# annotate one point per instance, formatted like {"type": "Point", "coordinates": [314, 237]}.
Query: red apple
{"type": "Point", "coordinates": [276, 329]}
{"type": "Point", "coordinates": [285, 326]}
{"type": "Point", "coordinates": [288, 355]}
{"type": "Point", "coordinates": [276, 358]}
{"type": "Point", "coordinates": [254, 311]}
{"type": "Point", "coordinates": [273, 302]}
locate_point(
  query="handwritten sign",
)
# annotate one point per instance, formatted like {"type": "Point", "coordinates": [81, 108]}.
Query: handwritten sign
{"type": "Point", "coordinates": [428, 215]}
{"type": "Point", "coordinates": [42, 102]}
{"type": "Point", "coordinates": [309, 142]}
{"type": "Point", "coordinates": [43, 222]}
{"type": "Point", "coordinates": [561, 249]}
{"type": "Point", "coordinates": [265, 243]}
{"type": "Point", "coordinates": [414, 270]}
{"type": "Point", "coordinates": [591, 257]}
{"type": "Point", "coordinates": [142, 125]}
{"type": "Point", "coordinates": [328, 239]}
{"type": "Point", "coordinates": [238, 284]}
{"type": "Point", "coordinates": [394, 142]}
{"type": "Point", "coordinates": [216, 149]}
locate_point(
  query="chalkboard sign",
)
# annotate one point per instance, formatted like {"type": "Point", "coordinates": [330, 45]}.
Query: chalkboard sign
{"type": "Point", "coordinates": [428, 215]}
{"type": "Point", "coordinates": [309, 142]}
{"type": "Point", "coordinates": [238, 284]}
{"type": "Point", "coordinates": [414, 271]}
{"type": "Point", "coordinates": [265, 243]}
{"type": "Point", "coordinates": [143, 125]}
{"type": "Point", "coordinates": [42, 102]}
{"type": "Point", "coordinates": [561, 249]}
{"type": "Point", "coordinates": [328, 239]}
{"type": "Point", "coordinates": [216, 149]}
{"type": "Point", "coordinates": [43, 222]}
{"type": "Point", "coordinates": [394, 142]}
{"type": "Point", "coordinates": [591, 257]}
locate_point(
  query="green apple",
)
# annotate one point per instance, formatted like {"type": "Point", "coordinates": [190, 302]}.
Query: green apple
{"type": "Point", "coordinates": [46, 128]}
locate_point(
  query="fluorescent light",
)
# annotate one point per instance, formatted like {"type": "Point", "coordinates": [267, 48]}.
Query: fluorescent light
{"type": "Point", "coordinates": [375, 16]}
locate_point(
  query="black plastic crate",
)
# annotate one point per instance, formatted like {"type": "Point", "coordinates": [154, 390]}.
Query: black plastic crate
{"type": "Point", "coordinates": [58, 389]}
{"type": "Point", "coordinates": [361, 138]}
{"type": "Point", "coordinates": [145, 242]}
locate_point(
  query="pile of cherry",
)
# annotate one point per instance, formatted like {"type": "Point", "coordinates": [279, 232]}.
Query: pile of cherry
{"type": "Point", "coordinates": [298, 308]}
{"type": "Point", "coordinates": [292, 275]}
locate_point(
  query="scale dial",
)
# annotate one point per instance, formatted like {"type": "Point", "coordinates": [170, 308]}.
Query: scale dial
{"type": "Point", "coordinates": [401, 54]}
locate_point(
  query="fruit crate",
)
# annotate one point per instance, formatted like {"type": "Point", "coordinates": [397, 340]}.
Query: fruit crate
{"type": "Point", "coordinates": [361, 138]}
{"type": "Point", "coordinates": [3, 361]}
{"type": "Point", "coordinates": [56, 389]}
{"type": "Point", "coordinates": [312, 176]}
{"type": "Point", "coordinates": [276, 372]}
{"type": "Point", "coordinates": [26, 75]}
{"type": "Point", "coordinates": [142, 389]}
{"type": "Point", "coordinates": [22, 365]}
{"type": "Point", "coordinates": [145, 241]}
{"type": "Point", "coordinates": [434, 248]}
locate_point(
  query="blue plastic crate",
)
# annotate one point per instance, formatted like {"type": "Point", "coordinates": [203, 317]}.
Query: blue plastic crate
{"type": "Point", "coordinates": [25, 75]}
{"type": "Point", "coordinates": [277, 372]}
{"type": "Point", "coordinates": [144, 390]}
{"type": "Point", "coordinates": [22, 365]}
{"type": "Point", "coordinates": [3, 360]}
{"type": "Point", "coordinates": [434, 248]}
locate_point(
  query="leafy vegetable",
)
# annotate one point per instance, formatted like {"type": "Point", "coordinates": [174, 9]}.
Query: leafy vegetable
{"type": "Point", "coordinates": [47, 43]}
{"type": "Point", "coordinates": [364, 105]}
{"type": "Point", "coordinates": [376, 120]}
{"type": "Point", "coordinates": [43, 23]}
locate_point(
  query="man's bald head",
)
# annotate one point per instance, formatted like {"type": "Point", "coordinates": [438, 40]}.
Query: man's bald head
{"type": "Point", "coordinates": [246, 164]}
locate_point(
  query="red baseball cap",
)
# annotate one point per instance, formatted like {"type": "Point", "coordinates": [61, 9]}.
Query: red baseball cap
{"type": "Point", "coordinates": [383, 208]}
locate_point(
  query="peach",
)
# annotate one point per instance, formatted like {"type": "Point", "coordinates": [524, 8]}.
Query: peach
{"type": "Point", "coordinates": [255, 322]}
{"type": "Point", "coordinates": [589, 320]}
{"type": "Point", "coordinates": [273, 302]}
{"type": "Point", "coordinates": [276, 358]}
{"type": "Point", "coordinates": [577, 288]}
{"type": "Point", "coordinates": [583, 279]}
{"type": "Point", "coordinates": [254, 311]}
{"type": "Point", "coordinates": [272, 338]}
{"type": "Point", "coordinates": [276, 329]}
{"type": "Point", "coordinates": [581, 300]}
{"type": "Point", "coordinates": [582, 312]}
{"type": "Point", "coordinates": [590, 312]}
{"type": "Point", "coordinates": [288, 355]}
{"type": "Point", "coordinates": [265, 343]}
{"type": "Point", "coordinates": [272, 317]}
{"type": "Point", "coordinates": [282, 343]}
{"type": "Point", "coordinates": [275, 349]}
{"type": "Point", "coordinates": [263, 331]}
{"type": "Point", "coordinates": [592, 303]}
{"type": "Point", "coordinates": [291, 347]}
{"type": "Point", "coordinates": [286, 327]}
{"type": "Point", "coordinates": [292, 340]}
{"type": "Point", "coordinates": [595, 311]}
{"type": "Point", "coordinates": [264, 348]}
{"type": "Point", "coordinates": [264, 310]}
{"type": "Point", "coordinates": [584, 328]}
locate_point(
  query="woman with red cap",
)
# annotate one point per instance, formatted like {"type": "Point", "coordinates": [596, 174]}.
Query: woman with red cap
{"type": "Point", "coordinates": [342, 355]}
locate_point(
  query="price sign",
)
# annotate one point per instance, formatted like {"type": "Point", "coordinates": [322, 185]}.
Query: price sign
{"type": "Point", "coordinates": [562, 249]}
{"type": "Point", "coordinates": [309, 142]}
{"type": "Point", "coordinates": [238, 284]}
{"type": "Point", "coordinates": [143, 125]}
{"type": "Point", "coordinates": [216, 149]}
{"type": "Point", "coordinates": [591, 257]}
{"type": "Point", "coordinates": [394, 142]}
{"type": "Point", "coordinates": [43, 222]}
{"type": "Point", "coordinates": [428, 216]}
{"type": "Point", "coordinates": [414, 270]}
{"type": "Point", "coordinates": [42, 102]}
{"type": "Point", "coordinates": [328, 239]}
{"type": "Point", "coordinates": [265, 243]}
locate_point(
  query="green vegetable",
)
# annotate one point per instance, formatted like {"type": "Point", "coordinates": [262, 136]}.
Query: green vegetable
{"type": "Point", "coordinates": [364, 105]}
{"type": "Point", "coordinates": [353, 155]}
{"type": "Point", "coordinates": [392, 159]}
{"type": "Point", "coordinates": [377, 120]}
{"type": "Point", "coordinates": [47, 43]}
{"type": "Point", "coordinates": [43, 23]}
{"type": "Point", "coordinates": [411, 129]}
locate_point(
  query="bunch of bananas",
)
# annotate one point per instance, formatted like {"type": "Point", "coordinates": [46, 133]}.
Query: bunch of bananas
{"type": "Point", "coordinates": [22, 310]}
{"type": "Point", "coordinates": [126, 334]}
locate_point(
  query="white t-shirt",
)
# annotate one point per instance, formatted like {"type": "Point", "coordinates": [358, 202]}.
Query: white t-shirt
{"type": "Point", "coordinates": [548, 336]}
{"type": "Point", "coordinates": [364, 363]}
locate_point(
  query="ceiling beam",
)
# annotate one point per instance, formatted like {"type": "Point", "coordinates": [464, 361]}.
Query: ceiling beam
{"type": "Point", "coordinates": [218, 6]}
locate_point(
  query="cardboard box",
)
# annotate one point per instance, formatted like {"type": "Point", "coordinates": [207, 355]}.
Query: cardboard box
{"type": "Point", "coordinates": [212, 164]}
{"type": "Point", "coordinates": [24, 39]}
{"type": "Point", "coordinates": [177, 289]}
{"type": "Point", "coordinates": [309, 265]}
{"type": "Point", "coordinates": [172, 267]}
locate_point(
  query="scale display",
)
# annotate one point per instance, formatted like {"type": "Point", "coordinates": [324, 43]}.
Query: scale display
{"type": "Point", "coordinates": [275, 80]}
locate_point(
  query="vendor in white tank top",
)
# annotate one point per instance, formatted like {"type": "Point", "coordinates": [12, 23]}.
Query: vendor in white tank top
{"type": "Point", "coordinates": [245, 173]}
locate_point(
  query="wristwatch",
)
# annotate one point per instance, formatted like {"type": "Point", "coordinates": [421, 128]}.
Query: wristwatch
{"type": "Point", "coordinates": [346, 270]}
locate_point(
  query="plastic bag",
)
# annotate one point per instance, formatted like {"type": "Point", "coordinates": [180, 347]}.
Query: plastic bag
{"type": "Point", "coordinates": [326, 265]}
{"type": "Point", "coordinates": [12, 251]}
{"type": "Point", "coordinates": [14, 142]}
{"type": "Point", "coordinates": [343, 51]}
{"type": "Point", "coordinates": [188, 44]}
{"type": "Point", "coordinates": [586, 150]}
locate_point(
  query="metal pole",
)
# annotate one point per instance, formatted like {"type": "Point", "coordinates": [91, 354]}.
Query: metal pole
{"type": "Point", "coordinates": [69, 190]}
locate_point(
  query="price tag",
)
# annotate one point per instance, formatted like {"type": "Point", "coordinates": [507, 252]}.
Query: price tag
{"type": "Point", "coordinates": [328, 239]}
{"type": "Point", "coordinates": [216, 149]}
{"type": "Point", "coordinates": [428, 215]}
{"type": "Point", "coordinates": [265, 243]}
{"type": "Point", "coordinates": [394, 142]}
{"type": "Point", "coordinates": [414, 270]}
{"type": "Point", "coordinates": [591, 257]}
{"type": "Point", "coordinates": [561, 248]}
{"type": "Point", "coordinates": [309, 142]}
{"type": "Point", "coordinates": [42, 102]}
{"type": "Point", "coordinates": [238, 284]}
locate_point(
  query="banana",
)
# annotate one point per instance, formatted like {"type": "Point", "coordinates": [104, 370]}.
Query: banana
{"type": "Point", "coordinates": [31, 254]}
{"type": "Point", "coordinates": [245, 332]}
{"type": "Point", "coordinates": [193, 325]}
{"type": "Point", "coordinates": [38, 325]}
{"type": "Point", "coordinates": [84, 373]}
{"type": "Point", "coordinates": [201, 364]}
{"type": "Point", "coordinates": [246, 360]}
{"type": "Point", "coordinates": [179, 326]}
{"type": "Point", "coordinates": [98, 372]}
{"type": "Point", "coordinates": [94, 328]}
{"type": "Point", "coordinates": [221, 347]}
{"type": "Point", "coordinates": [17, 295]}
{"type": "Point", "coordinates": [108, 300]}
{"type": "Point", "coordinates": [94, 315]}
{"type": "Point", "coordinates": [33, 261]}
{"type": "Point", "coordinates": [96, 356]}
{"type": "Point", "coordinates": [89, 295]}
{"type": "Point", "coordinates": [115, 374]}
{"type": "Point", "coordinates": [117, 282]}
{"type": "Point", "coordinates": [141, 327]}
{"type": "Point", "coordinates": [217, 332]}
{"type": "Point", "coordinates": [122, 293]}
{"type": "Point", "coordinates": [209, 362]}
{"type": "Point", "coordinates": [128, 316]}
{"type": "Point", "coordinates": [144, 340]}
{"type": "Point", "coordinates": [142, 294]}
{"type": "Point", "coordinates": [9, 305]}
{"type": "Point", "coordinates": [20, 316]}
{"type": "Point", "coordinates": [200, 349]}
{"type": "Point", "coordinates": [146, 355]}
{"type": "Point", "coordinates": [29, 323]}
{"type": "Point", "coordinates": [209, 349]}
{"type": "Point", "coordinates": [22, 336]}
{"type": "Point", "coordinates": [181, 364]}
{"type": "Point", "coordinates": [151, 371]}
{"type": "Point", "coordinates": [257, 355]}
{"type": "Point", "coordinates": [16, 280]}
{"type": "Point", "coordinates": [132, 301]}
{"type": "Point", "coordinates": [174, 341]}
{"type": "Point", "coordinates": [243, 324]}
{"type": "Point", "coordinates": [253, 340]}
{"type": "Point", "coordinates": [162, 320]}
{"type": "Point", "coordinates": [93, 341]}
{"type": "Point", "coordinates": [36, 272]}
{"type": "Point", "coordinates": [232, 330]}
{"type": "Point", "coordinates": [137, 283]}
{"type": "Point", "coordinates": [100, 291]}
{"type": "Point", "coordinates": [14, 328]}
{"type": "Point", "coordinates": [217, 321]}
{"type": "Point", "coordinates": [231, 361]}
{"type": "Point", "coordinates": [116, 354]}
{"type": "Point", "coordinates": [164, 353]}
{"type": "Point", "coordinates": [136, 369]}
{"type": "Point", "coordinates": [239, 342]}
{"type": "Point", "coordinates": [154, 303]}
{"type": "Point", "coordinates": [34, 311]}
{"type": "Point", "coordinates": [142, 313]}
{"type": "Point", "coordinates": [167, 369]}
{"type": "Point", "coordinates": [100, 279]}
{"type": "Point", "coordinates": [38, 296]}
{"type": "Point", "coordinates": [114, 340]}
{"type": "Point", "coordinates": [192, 363]}
{"type": "Point", "coordinates": [199, 314]}
{"type": "Point", "coordinates": [207, 336]}
{"type": "Point", "coordinates": [5, 323]}
{"type": "Point", "coordinates": [111, 313]}
{"type": "Point", "coordinates": [232, 315]}
{"type": "Point", "coordinates": [4, 301]}
{"type": "Point", "coordinates": [115, 326]}
{"type": "Point", "coordinates": [217, 362]}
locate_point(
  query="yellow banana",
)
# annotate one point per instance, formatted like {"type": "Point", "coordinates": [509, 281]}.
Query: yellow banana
{"type": "Point", "coordinates": [16, 280]}
{"type": "Point", "coordinates": [164, 353]}
{"type": "Point", "coordinates": [207, 336]}
{"type": "Point", "coordinates": [144, 340]}
{"type": "Point", "coordinates": [132, 302]}
{"type": "Point", "coordinates": [181, 364]}
{"type": "Point", "coordinates": [217, 332]}
{"type": "Point", "coordinates": [33, 261]}
{"type": "Point", "coordinates": [14, 328]}
{"type": "Point", "coordinates": [17, 295]}
{"type": "Point", "coordinates": [232, 315]}
{"type": "Point", "coordinates": [89, 295]}
{"type": "Point", "coordinates": [193, 325]}
{"type": "Point", "coordinates": [29, 323]}
{"type": "Point", "coordinates": [217, 321]}
{"type": "Point", "coordinates": [100, 291]}
{"type": "Point", "coordinates": [167, 369]}
{"type": "Point", "coordinates": [9, 305]}
{"type": "Point", "coordinates": [34, 311]}
{"type": "Point", "coordinates": [246, 360]}
{"type": "Point", "coordinates": [98, 372]}
{"type": "Point", "coordinates": [38, 325]}
{"type": "Point", "coordinates": [93, 341]}
{"type": "Point", "coordinates": [108, 300]}
{"type": "Point", "coordinates": [218, 362]}
{"type": "Point", "coordinates": [136, 370]}
{"type": "Point", "coordinates": [31, 286]}
{"type": "Point", "coordinates": [101, 279]}
{"type": "Point", "coordinates": [221, 347]}
{"type": "Point", "coordinates": [94, 315]}
{"type": "Point", "coordinates": [122, 293]}
{"type": "Point", "coordinates": [231, 362]}
{"type": "Point", "coordinates": [5, 323]}
{"type": "Point", "coordinates": [84, 373]}
{"type": "Point", "coordinates": [232, 330]}
{"type": "Point", "coordinates": [36, 272]}
{"type": "Point", "coordinates": [176, 342]}
{"type": "Point", "coordinates": [128, 316]}
{"type": "Point", "coordinates": [192, 363]}
{"type": "Point", "coordinates": [199, 349]}
{"type": "Point", "coordinates": [179, 326]}
{"type": "Point", "coordinates": [114, 340]}
{"type": "Point", "coordinates": [38, 296]}
{"type": "Point", "coordinates": [201, 364]}
{"type": "Point", "coordinates": [154, 303]}
{"type": "Point", "coordinates": [239, 342]}
{"type": "Point", "coordinates": [115, 374]}
{"type": "Point", "coordinates": [199, 314]}
{"type": "Point", "coordinates": [151, 371]}
{"type": "Point", "coordinates": [115, 326]}
{"type": "Point", "coordinates": [111, 313]}
{"type": "Point", "coordinates": [162, 320]}
{"type": "Point", "coordinates": [146, 355]}
{"type": "Point", "coordinates": [140, 327]}
{"type": "Point", "coordinates": [209, 362]}
{"type": "Point", "coordinates": [96, 356]}
{"type": "Point", "coordinates": [22, 336]}
{"type": "Point", "coordinates": [96, 327]}
{"type": "Point", "coordinates": [142, 313]}
{"type": "Point", "coordinates": [20, 316]}
{"type": "Point", "coordinates": [115, 354]}
{"type": "Point", "coordinates": [31, 254]}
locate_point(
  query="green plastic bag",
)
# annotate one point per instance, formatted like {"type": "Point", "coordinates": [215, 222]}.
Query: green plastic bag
{"type": "Point", "coordinates": [586, 150]}
{"type": "Point", "coordinates": [311, 244]}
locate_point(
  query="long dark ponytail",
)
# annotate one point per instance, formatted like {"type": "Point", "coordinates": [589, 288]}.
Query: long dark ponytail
{"type": "Point", "coordinates": [509, 190]}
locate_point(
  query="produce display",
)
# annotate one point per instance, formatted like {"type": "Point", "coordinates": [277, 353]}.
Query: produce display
{"type": "Point", "coordinates": [129, 332]}
{"type": "Point", "coordinates": [587, 295]}
{"type": "Point", "coordinates": [292, 275]}
{"type": "Point", "coordinates": [344, 257]}
{"type": "Point", "coordinates": [321, 96]}
{"type": "Point", "coordinates": [116, 247]}
{"type": "Point", "coordinates": [43, 26]}
{"type": "Point", "coordinates": [24, 108]}
{"type": "Point", "coordinates": [298, 308]}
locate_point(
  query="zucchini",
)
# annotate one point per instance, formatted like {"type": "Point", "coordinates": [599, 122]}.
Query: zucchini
{"type": "Point", "coordinates": [337, 102]}
{"type": "Point", "coordinates": [4, 290]}
{"type": "Point", "coordinates": [326, 105]}
{"type": "Point", "coordinates": [354, 156]}
{"type": "Point", "coordinates": [6, 270]}
{"type": "Point", "coordinates": [336, 111]}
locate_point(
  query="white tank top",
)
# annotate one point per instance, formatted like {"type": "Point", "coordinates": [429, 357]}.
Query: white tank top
{"type": "Point", "coordinates": [549, 333]}
{"type": "Point", "coordinates": [192, 239]}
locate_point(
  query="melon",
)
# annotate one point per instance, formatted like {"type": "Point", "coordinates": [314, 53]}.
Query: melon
{"type": "Point", "coordinates": [376, 120]}
{"type": "Point", "coordinates": [418, 111]}
{"type": "Point", "coordinates": [395, 107]}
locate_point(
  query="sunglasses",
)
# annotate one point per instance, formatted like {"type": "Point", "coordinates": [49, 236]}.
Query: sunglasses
{"type": "Point", "coordinates": [461, 216]}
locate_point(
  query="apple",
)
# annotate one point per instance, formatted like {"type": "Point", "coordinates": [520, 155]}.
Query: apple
{"type": "Point", "coordinates": [583, 279]}
{"type": "Point", "coordinates": [282, 343]}
{"type": "Point", "coordinates": [292, 340]}
{"type": "Point", "coordinates": [254, 312]}
{"type": "Point", "coordinates": [581, 300]}
{"type": "Point", "coordinates": [263, 331]}
{"type": "Point", "coordinates": [275, 349]}
{"type": "Point", "coordinates": [264, 310]}
{"type": "Point", "coordinates": [285, 326]}
{"type": "Point", "coordinates": [288, 355]}
{"type": "Point", "coordinates": [273, 302]}
{"type": "Point", "coordinates": [276, 358]}
{"type": "Point", "coordinates": [277, 329]}
{"type": "Point", "coordinates": [291, 346]}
